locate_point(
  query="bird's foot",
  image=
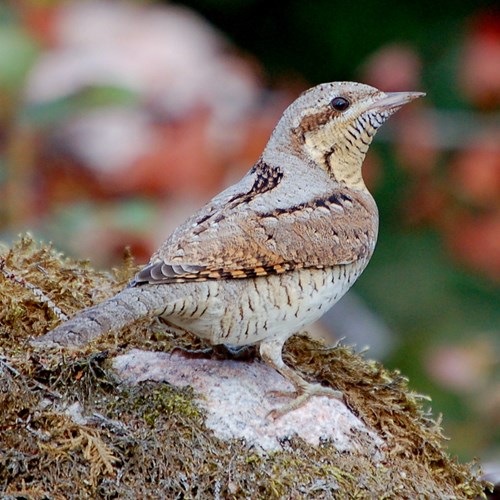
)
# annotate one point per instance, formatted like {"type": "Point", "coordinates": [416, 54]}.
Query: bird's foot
{"type": "Point", "coordinates": [302, 396]}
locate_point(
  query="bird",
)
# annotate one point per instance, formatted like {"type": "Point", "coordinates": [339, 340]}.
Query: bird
{"type": "Point", "coordinates": [269, 255]}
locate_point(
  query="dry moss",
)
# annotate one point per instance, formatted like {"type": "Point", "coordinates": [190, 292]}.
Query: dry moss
{"type": "Point", "coordinates": [70, 429]}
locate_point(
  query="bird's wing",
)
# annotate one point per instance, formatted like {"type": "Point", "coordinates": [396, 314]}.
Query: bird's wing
{"type": "Point", "coordinates": [238, 241]}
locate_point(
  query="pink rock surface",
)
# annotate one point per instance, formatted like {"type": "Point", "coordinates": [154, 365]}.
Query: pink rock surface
{"type": "Point", "coordinates": [235, 396]}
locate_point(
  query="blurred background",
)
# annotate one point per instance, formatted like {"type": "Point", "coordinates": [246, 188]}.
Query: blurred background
{"type": "Point", "coordinates": [119, 119]}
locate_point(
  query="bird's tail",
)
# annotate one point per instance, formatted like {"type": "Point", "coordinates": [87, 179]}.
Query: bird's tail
{"type": "Point", "coordinates": [115, 313]}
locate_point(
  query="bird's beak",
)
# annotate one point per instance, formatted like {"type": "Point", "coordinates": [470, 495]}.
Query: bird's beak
{"type": "Point", "coordinates": [392, 101]}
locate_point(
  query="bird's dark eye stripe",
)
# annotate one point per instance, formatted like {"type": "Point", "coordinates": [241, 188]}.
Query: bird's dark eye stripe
{"type": "Point", "coordinates": [339, 103]}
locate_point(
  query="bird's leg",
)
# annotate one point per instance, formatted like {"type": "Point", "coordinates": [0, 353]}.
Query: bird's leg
{"type": "Point", "coordinates": [270, 352]}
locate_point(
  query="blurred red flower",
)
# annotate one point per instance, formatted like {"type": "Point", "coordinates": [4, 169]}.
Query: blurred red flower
{"type": "Point", "coordinates": [479, 73]}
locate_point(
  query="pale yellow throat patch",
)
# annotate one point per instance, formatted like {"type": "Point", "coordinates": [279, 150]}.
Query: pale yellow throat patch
{"type": "Point", "coordinates": [340, 158]}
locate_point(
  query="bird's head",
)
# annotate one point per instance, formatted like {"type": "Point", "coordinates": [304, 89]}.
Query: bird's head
{"type": "Point", "coordinates": [333, 125]}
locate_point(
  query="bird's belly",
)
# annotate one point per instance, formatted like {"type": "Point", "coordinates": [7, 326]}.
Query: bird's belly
{"type": "Point", "coordinates": [248, 311]}
{"type": "Point", "coordinates": [245, 312]}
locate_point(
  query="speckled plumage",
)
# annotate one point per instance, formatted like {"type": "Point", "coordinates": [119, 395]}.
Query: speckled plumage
{"type": "Point", "coordinates": [269, 255]}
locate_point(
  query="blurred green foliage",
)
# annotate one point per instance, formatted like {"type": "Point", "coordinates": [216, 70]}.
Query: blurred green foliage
{"type": "Point", "coordinates": [18, 50]}
{"type": "Point", "coordinates": [91, 97]}
{"type": "Point", "coordinates": [326, 40]}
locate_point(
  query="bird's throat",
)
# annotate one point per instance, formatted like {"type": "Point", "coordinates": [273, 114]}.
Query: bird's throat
{"type": "Point", "coordinates": [341, 159]}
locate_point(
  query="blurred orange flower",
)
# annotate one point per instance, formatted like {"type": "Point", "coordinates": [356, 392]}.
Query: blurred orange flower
{"type": "Point", "coordinates": [474, 239]}
{"type": "Point", "coordinates": [475, 171]}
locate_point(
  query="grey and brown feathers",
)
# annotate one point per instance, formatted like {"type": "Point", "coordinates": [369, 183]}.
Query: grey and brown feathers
{"type": "Point", "coordinates": [269, 255]}
{"type": "Point", "coordinates": [240, 241]}
{"type": "Point", "coordinates": [286, 213]}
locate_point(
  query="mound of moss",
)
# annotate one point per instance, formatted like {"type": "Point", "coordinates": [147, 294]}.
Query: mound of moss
{"type": "Point", "coordinates": [70, 429]}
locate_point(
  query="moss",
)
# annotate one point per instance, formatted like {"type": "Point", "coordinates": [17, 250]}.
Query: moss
{"type": "Point", "coordinates": [150, 440]}
{"type": "Point", "coordinates": [153, 401]}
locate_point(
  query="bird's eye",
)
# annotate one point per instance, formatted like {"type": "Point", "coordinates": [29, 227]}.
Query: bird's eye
{"type": "Point", "coordinates": [339, 103]}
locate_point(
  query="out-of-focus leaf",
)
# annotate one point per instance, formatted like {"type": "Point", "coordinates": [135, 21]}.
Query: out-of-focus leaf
{"type": "Point", "coordinates": [17, 53]}
{"type": "Point", "coordinates": [51, 112]}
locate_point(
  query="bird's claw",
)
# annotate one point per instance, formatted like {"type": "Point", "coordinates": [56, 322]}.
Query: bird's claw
{"type": "Point", "coordinates": [302, 397]}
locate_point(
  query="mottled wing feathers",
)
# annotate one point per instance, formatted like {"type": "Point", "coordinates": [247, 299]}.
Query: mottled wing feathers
{"type": "Point", "coordinates": [237, 241]}
{"type": "Point", "coordinates": [161, 272]}
{"type": "Point", "coordinates": [164, 273]}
